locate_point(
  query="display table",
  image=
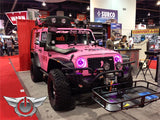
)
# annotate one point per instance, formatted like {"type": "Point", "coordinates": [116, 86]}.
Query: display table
{"type": "Point", "coordinates": [133, 54]}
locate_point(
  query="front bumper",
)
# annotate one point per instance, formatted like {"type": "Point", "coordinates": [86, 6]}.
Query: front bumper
{"type": "Point", "coordinates": [97, 77]}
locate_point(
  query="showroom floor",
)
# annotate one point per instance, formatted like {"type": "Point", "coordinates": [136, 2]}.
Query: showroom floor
{"type": "Point", "coordinates": [82, 111]}
{"type": "Point", "coordinates": [86, 112]}
{"type": "Point", "coordinates": [10, 86]}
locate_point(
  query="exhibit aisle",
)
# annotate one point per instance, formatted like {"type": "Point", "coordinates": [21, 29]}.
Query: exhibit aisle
{"type": "Point", "coordinates": [10, 86]}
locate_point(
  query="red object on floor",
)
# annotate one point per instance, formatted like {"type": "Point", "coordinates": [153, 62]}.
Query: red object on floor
{"type": "Point", "coordinates": [153, 64]}
{"type": "Point", "coordinates": [24, 36]}
{"type": "Point", "coordinates": [10, 86]}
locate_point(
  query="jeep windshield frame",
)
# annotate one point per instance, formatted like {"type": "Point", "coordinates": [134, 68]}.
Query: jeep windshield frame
{"type": "Point", "coordinates": [71, 36]}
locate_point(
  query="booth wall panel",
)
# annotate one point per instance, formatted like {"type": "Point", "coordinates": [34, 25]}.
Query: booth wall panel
{"type": "Point", "coordinates": [126, 17]}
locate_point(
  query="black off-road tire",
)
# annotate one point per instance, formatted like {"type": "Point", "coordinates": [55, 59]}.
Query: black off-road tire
{"type": "Point", "coordinates": [59, 91]}
{"type": "Point", "coordinates": [36, 74]}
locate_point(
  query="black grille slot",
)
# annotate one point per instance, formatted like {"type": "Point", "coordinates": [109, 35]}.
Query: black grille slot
{"type": "Point", "coordinates": [95, 63]}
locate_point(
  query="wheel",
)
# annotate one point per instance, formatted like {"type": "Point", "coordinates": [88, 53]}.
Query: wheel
{"type": "Point", "coordinates": [36, 74]}
{"type": "Point", "coordinates": [59, 91]}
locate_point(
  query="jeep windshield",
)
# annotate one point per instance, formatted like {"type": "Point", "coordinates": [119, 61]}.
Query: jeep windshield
{"type": "Point", "coordinates": [76, 36]}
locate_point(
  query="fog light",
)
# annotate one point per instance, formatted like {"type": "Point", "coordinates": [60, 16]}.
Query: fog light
{"type": "Point", "coordinates": [106, 66]}
{"type": "Point", "coordinates": [118, 65]}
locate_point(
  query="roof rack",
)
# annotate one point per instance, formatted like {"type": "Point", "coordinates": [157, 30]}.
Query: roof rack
{"type": "Point", "coordinates": [54, 21]}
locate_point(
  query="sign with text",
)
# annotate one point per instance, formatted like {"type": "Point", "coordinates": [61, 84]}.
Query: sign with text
{"type": "Point", "coordinates": [150, 34]}
{"type": "Point", "coordinates": [146, 31]}
{"type": "Point", "coordinates": [13, 16]}
{"type": "Point", "coordinates": [81, 17]}
{"type": "Point", "coordinates": [105, 15]}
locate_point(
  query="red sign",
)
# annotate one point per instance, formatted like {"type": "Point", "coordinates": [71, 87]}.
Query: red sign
{"type": "Point", "coordinates": [81, 17]}
{"type": "Point", "coordinates": [13, 16]}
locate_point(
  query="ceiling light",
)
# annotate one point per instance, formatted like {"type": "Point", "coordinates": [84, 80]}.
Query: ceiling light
{"type": "Point", "coordinates": [70, 15]}
{"type": "Point", "coordinates": [43, 4]}
{"type": "Point", "coordinates": [88, 8]}
{"type": "Point", "coordinates": [158, 2]}
{"type": "Point", "coordinates": [143, 20]}
{"type": "Point", "coordinates": [149, 14]}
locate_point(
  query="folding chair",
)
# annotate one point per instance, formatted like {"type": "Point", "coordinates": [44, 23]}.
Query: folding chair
{"type": "Point", "coordinates": [144, 66]}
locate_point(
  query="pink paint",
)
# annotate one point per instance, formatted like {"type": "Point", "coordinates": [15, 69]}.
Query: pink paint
{"type": "Point", "coordinates": [80, 57]}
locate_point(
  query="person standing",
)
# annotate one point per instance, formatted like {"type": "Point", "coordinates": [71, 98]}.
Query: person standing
{"type": "Point", "coordinates": [9, 47]}
{"type": "Point", "coordinates": [123, 43]}
{"type": "Point", "coordinates": [130, 42]}
{"type": "Point", "coordinates": [13, 43]}
{"type": "Point", "coordinates": [110, 43]}
{"type": "Point", "coordinates": [4, 47]}
{"type": "Point", "coordinates": [1, 45]}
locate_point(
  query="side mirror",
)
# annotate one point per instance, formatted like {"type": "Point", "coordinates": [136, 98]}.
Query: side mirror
{"type": "Point", "coordinates": [93, 42]}
{"type": "Point", "coordinates": [42, 43]}
{"type": "Point", "coordinates": [37, 42]}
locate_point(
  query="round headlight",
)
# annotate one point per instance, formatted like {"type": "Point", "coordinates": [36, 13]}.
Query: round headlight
{"type": "Point", "coordinates": [117, 58]}
{"type": "Point", "coordinates": [106, 66]}
{"type": "Point", "coordinates": [53, 20]}
{"type": "Point", "coordinates": [81, 62]}
{"type": "Point", "coordinates": [63, 21]}
{"type": "Point", "coordinates": [118, 65]}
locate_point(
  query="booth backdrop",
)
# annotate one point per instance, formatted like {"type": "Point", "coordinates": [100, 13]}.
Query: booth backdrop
{"type": "Point", "coordinates": [24, 28]}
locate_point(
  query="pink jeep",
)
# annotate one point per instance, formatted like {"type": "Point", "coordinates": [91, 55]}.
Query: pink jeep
{"type": "Point", "coordinates": [72, 62]}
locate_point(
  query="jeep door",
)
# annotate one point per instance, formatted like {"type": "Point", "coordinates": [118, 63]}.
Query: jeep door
{"type": "Point", "coordinates": [37, 47]}
{"type": "Point", "coordinates": [44, 54]}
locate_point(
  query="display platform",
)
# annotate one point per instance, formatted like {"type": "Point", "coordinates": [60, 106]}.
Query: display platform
{"type": "Point", "coordinates": [82, 111]}
{"type": "Point", "coordinates": [85, 111]}
{"type": "Point", "coordinates": [10, 86]}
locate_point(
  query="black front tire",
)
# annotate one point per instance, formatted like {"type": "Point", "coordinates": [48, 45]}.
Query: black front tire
{"type": "Point", "coordinates": [59, 91]}
{"type": "Point", "coordinates": [36, 74]}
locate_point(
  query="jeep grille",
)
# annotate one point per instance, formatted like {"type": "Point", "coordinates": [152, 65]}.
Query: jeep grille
{"type": "Point", "coordinates": [95, 63]}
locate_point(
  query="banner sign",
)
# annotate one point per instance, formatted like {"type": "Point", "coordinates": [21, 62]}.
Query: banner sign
{"type": "Point", "coordinates": [13, 16]}
{"type": "Point", "coordinates": [146, 31]}
{"type": "Point", "coordinates": [150, 34]}
{"type": "Point", "coordinates": [116, 30]}
{"type": "Point", "coordinates": [105, 15]}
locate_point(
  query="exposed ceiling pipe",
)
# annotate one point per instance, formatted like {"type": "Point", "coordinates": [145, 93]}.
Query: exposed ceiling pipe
{"type": "Point", "coordinates": [14, 4]}
{"type": "Point", "coordinates": [148, 9]}
{"type": "Point", "coordinates": [148, 17]}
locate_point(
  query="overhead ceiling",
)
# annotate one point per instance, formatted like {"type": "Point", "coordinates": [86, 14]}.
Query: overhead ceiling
{"type": "Point", "coordinates": [147, 6]}
{"type": "Point", "coordinates": [75, 6]}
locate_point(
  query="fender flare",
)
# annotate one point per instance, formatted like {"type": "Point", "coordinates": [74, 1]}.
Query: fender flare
{"type": "Point", "coordinates": [59, 63]}
{"type": "Point", "coordinates": [35, 56]}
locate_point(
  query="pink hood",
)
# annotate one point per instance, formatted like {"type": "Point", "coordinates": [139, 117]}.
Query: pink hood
{"type": "Point", "coordinates": [86, 50]}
